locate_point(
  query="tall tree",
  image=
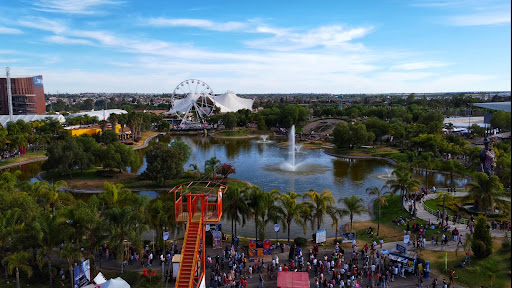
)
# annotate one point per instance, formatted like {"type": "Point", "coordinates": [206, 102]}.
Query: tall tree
{"type": "Point", "coordinates": [292, 210]}
{"type": "Point", "coordinates": [255, 202]}
{"type": "Point", "coordinates": [235, 207]}
{"type": "Point", "coordinates": [318, 204]}
{"type": "Point", "coordinates": [18, 261]}
{"type": "Point", "coordinates": [353, 206]}
{"type": "Point", "coordinates": [381, 200]}
{"type": "Point", "coordinates": [485, 191]}
{"type": "Point", "coordinates": [50, 236]}
{"type": "Point", "coordinates": [51, 194]}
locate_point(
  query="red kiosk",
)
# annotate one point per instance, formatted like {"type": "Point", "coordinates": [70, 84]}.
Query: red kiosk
{"type": "Point", "coordinates": [197, 203]}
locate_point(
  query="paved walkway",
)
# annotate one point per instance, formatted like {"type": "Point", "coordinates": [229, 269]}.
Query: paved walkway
{"type": "Point", "coordinates": [422, 213]}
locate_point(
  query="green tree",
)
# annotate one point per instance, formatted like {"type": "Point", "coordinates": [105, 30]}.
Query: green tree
{"type": "Point", "coordinates": [256, 203]}
{"type": "Point", "coordinates": [50, 237]}
{"type": "Point", "coordinates": [317, 204]}
{"type": "Point", "coordinates": [291, 210]}
{"type": "Point", "coordinates": [501, 120]}
{"type": "Point", "coordinates": [164, 163]}
{"type": "Point", "coordinates": [341, 135]}
{"type": "Point", "coordinates": [427, 162]}
{"type": "Point", "coordinates": [481, 235]}
{"type": "Point", "coordinates": [70, 252]}
{"type": "Point", "coordinates": [210, 166]}
{"type": "Point", "coordinates": [381, 200]}
{"type": "Point", "coordinates": [51, 194]}
{"type": "Point", "coordinates": [485, 191]}
{"type": "Point", "coordinates": [18, 261]}
{"type": "Point", "coordinates": [235, 207]}
{"type": "Point", "coordinates": [452, 166]}
{"type": "Point", "coordinates": [262, 126]}
{"type": "Point", "coordinates": [353, 206]}
{"type": "Point", "coordinates": [229, 119]}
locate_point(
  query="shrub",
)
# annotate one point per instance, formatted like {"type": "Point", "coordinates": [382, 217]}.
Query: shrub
{"type": "Point", "coordinates": [132, 277]}
{"type": "Point", "coordinates": [482, 234]}
{"type": "Point", "coordinates": [300, 241]}
{"type": "Point", "coordinates": [479, 248]}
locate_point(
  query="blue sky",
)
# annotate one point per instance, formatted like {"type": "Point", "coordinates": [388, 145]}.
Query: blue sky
{"type": "Point", "coordinates": [323, 46]}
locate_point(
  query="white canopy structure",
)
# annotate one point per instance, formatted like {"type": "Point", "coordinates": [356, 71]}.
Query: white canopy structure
{"type": "Point", "coordinates": [28, 118]}
{"type": "Point", "coordinates": [230, 102]}
{"type": "Point", "coordinates": [101, 114]}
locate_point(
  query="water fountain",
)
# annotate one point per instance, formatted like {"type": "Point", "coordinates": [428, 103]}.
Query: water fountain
{"type": "Point", "coordinates": [297, 148]}
{"type": "Point", "coordinates": [263, 139]}
{"type": "Point", "coordinates": [388, 175]}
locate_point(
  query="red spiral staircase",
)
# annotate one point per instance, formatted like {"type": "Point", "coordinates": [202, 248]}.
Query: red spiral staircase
{"type": "Point", "coordinates": [197, 203]}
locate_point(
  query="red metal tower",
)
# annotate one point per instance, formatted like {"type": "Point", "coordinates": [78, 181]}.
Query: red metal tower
{"type": "Point", "coordinates": [197, 203]}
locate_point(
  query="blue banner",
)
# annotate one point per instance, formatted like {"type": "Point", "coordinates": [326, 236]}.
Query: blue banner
{"type": "Point", "coordinates": [38, 81]}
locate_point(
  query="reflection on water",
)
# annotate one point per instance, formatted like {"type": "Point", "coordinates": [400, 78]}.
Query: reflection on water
{"type": "Point", "coordinates": [256, 163]}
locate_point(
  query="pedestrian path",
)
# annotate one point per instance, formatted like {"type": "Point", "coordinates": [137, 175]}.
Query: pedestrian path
{"type": "Point", "coordinates": [463, 229]}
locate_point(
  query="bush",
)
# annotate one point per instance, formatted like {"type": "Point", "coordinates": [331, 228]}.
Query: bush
{"type": "Point", "coordinates": [132, 277]}
{"type": "Point", "coordinates": [300, 241]}
{"type": "Point", "coordinates": [483, 235]}
{"type": "Point", "coordinates": [479, 249]}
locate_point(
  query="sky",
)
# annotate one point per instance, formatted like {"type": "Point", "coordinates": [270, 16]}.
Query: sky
{"type": "Point", "coordinates": [322, 46]}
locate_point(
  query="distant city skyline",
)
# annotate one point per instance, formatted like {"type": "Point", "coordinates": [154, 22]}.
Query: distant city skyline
{"type": "Point", "coordinates": [117, 46]}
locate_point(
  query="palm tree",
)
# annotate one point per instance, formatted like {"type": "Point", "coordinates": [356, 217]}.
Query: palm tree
{"type": "Point", "coordinates": [11, 223]}
{"type": "Point", "coordinates": [427, 162]}
{"type": "Point", "coordinates": [444, 195]}
{"type": "Point", "coordinates": [234, 205]}
{"type": "Point", "coordinates": [196, 171]}
{"type": "Point", "coordinates": [399, 182]}
{"type": "Point", "coordinates": [485, 191]}
{"type": "Point", "coordinates": [70, 252]}
{"type": "Point", "coordinates": [336, 214]}
{"type": "Point", "coordinates": [19, 261]}
{"type": "Point", "coordinates": [209, 166]}
{"type": "Point", "coordinates": [353, 206]}
{"type": "Point", "coordinates": [381, 200]}
{"type": "Point", "coordinates": [317, 204]}
{"type": "Point", "coordinates": [452, 166]}
{"type": "Point", "coordinates": [50, 236]}
{"type": "Point", "coordinates": [272, 212]}
{"type": "Point", "coordinates": [291, 210]}
{"type": "Point", "coordinates": [255, 202]}
{"type": "Point", "coordinates": [50, 193]}
{"type": "Point", "coordinates": [115, 194]}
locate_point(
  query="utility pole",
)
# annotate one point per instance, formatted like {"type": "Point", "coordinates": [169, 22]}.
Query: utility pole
{"type": "Point", "coordinates": [9, 92]}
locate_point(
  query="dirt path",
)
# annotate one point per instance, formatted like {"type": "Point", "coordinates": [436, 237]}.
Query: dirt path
{"type": "Point", "coordinates": [325, 125]}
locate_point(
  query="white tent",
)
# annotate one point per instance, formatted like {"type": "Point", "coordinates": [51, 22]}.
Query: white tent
{"type": "Point", "coordinates": [230, 102]}
{"type": "Point", "coordinates": [115, 283]}
{"type": "Point", "coordinates": [101, 114]}
{"type": "Point", "coordinates": [28, 118]}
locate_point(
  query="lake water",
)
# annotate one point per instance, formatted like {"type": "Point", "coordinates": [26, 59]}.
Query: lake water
{"type": "Point", "coordinates": [259, 163]}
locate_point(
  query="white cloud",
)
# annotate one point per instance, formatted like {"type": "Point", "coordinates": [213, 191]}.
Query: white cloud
{"type": "Point", "coordinates": [495, 18]}
{"type": "Point", "coordinates": [198, 23]}
{"type": "Point", "coordinates": [419, 65]}
{"type": "Point", "coordinates": [66, 40]}
{"type": "Point", "coordinates": [325, 36]}
{"type": "Point", "coordinates": [7, 30]}
{"type": "Point", "coordinates": [44, 24]}
{"type": "Point", "coordinates": [72, 6]}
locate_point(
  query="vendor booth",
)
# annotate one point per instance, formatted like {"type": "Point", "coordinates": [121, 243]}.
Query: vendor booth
{"type": "Point", "coordinates": [176, 259]}
{"type": "Point", "coordinates": [287, 279]}
{"type": "Point", "coordinates": [406, 258]}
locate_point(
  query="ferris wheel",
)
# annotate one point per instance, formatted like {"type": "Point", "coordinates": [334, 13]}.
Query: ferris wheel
{"type": "Point", "coordinates": [192, 101]}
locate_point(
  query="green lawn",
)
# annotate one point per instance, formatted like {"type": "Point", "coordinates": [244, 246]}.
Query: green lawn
{"type": "Point", "coordinates": [478, 274]}
{"type": "Point", "coordinates": [389, 230]}
{"type": "Point", "coordinates": [28, 156]}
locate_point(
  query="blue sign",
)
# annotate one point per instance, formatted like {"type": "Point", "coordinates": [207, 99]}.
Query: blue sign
{"type": "Point", "coordinates": [401, 248]}
{"type": "Point", "coordinates": [38, 81]}
{"type": "Point", "coordinates": [349, 236]}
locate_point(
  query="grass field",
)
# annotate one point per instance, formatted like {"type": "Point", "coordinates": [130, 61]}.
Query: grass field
{"type": "Point", "coordinates": [29, 156]}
